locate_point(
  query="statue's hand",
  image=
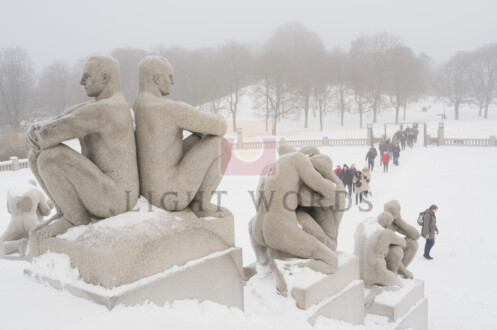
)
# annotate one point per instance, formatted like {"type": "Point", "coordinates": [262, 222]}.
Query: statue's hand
{"type": "Point", "coordinates": [33, 137]}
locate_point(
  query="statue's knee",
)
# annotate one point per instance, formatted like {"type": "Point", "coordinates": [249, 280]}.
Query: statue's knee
{"type": "Point", "coordinates": [411, 244]}
{"type": "Point", "coordinates": [226, 147]}
{"type": "Point", "coordinates": [396, 253]}
{"type": "Point", "coordinates": [49, 156]}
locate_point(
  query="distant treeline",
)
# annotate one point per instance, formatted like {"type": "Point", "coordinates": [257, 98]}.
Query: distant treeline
{"type": "Point", "coordinates": [290, 73]}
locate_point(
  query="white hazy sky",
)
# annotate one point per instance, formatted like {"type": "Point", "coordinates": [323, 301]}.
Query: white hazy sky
{"type": "Point", "coordinates": [71, 29]}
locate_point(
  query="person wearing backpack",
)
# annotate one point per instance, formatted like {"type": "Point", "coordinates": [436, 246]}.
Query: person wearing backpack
{"type": "Point", "coordinates": [429, 229]}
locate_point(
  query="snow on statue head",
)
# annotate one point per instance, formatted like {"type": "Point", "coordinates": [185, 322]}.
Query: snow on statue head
{"type": "Point", "coordinates": [27, 206]}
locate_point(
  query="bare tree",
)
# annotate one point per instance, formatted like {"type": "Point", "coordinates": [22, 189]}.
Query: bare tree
{"type": "Point", "coordinates": [372, 50]}
{"type": "Point", "coordinates": [405, 77]}
{"type": "Point", "coordinates": [16, 82]}
{"type": "Point", "coordinates": [483, 77]}
{"type": "Point", "coordinates": [237, 71]}
{"type": "Point", "coordinates": [340, 71]}
{"type": "Point", "coordinates": [452, 80]}
{"type": "Point", "coordinates": [53, 92]}
{"type": "Point", "coordinates": [302, 49]}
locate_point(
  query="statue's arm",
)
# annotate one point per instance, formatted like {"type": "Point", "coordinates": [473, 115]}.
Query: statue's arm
{"type": "Point", "coordinates": [406, 229]}
{"type": "Point", "coordinates": [80, 122]}
{"type": "Point", "coordinates": [311, 177]}
{"type": "Point", "coordinates": [196, 121]}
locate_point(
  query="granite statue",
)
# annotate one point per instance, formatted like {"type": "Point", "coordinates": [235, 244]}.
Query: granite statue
{"type": "Point", "coordinates": [27, 206]}
{"type": "Point", "coordinates": [102, 180]}
{"type": "Point", "coordinates": [406, 253]}
{"type": "Point", "coordinates": [177, 173]}
{"type": "Point", "coordinates": [373, 243]}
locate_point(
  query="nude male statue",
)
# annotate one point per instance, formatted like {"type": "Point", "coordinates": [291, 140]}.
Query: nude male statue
{"type": "Point", "coordinates": [177, 173]}
{"type": "Point", "coordinates": [407, 253]}
{"type": "Point", "coordinates": [102, 181]}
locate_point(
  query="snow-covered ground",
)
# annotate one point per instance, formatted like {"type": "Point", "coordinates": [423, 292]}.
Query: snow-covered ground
{"type": "Point", "coordinates": [460, 281]}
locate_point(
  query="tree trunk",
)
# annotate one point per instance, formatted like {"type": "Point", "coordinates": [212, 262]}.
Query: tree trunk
{"type": "Point", "coordinates": [234, 121]}
{"type": "Point", "coordinates": [486, 109]}
{"type": "Point", "coordinates": [405, 107]}
{"type": "Point", "coordinates": [360, 116]}
{"type": "Point", "coordinates": [397, 108]}
{"type": "Point", "coordinates": [320, 120]}
{"type": "Point", "coordinates": [342, 112]}
{"type": "Point", "coordinates": [374, 111]}
{"type": "Point", "coordinates": [456, 108]}
{"type": "Point", "coordinates": [306, 110]}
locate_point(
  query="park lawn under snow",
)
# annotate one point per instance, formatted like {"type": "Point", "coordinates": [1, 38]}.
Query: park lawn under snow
{"type": "Point", "coordinates": [460, 282]}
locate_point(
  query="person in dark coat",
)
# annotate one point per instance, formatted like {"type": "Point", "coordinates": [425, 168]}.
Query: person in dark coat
{"type": "Point", "coordinates": [347, 178]}
{"type": "Point", "coordinates": [403, 139]}
{"type": "Point", "coordinates": [382, 148]}
{"type": "Point", "coordinates": [429, 229]}
{"type": "Point", "coordinates": [396, 154]}
{"type": "Point", "coordinates": [389, 148]}
{"type": "Point", "coordinates": [410, 137]}
{"type": "Point", "coordinates": [370, 157]}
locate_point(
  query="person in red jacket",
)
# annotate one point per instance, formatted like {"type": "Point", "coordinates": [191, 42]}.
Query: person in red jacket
{"type": "Point", "coordinates": [385, 159]}
{"type": "Point", "coordinates": [338, 172]}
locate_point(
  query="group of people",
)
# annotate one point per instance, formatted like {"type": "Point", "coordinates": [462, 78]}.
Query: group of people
{"type": "Point", "coordinates": [390, 148]}
{"type": "Point", "coordinates": [355, 181]}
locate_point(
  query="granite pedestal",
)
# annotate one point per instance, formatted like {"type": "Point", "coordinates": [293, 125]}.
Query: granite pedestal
{"type": "Point", "coordinates": [405, 307]}
{"type": "Point", "coordinates": [339, 296]}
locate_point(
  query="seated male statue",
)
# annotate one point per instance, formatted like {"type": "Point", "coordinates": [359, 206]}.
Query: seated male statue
{"type": "Point", "coordinates": [407, 252]}
{"type": "Point", "coordinates": [177, 173]}
{"type": "Point", "coordinates": [102, 181]}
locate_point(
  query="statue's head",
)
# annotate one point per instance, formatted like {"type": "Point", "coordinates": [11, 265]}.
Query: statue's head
{"type": "Point", "coordinates": [100, 74]}
{"type": "Point", "coordinates": [385, 219]}
{"type": "Point", "coordinates": [155, 74]}
{"type": "Point", "coordinates": [309, 151]}
{"type": "Point", "coordinates": [393, 207]}
{"type": "Point", "coordinates": [322, 164]}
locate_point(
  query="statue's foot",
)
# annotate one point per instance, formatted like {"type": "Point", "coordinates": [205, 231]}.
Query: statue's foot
{"type": "Point", "coordinates": [407, 274]}
{"type": "Point", "coordinates": [281, 285]}
{"type": "Point", "coordinates": [319, 266]}
{"type": "Point", "coordinates": [209, 210]}
{"type": "Point", "coordinates": [55, 228]}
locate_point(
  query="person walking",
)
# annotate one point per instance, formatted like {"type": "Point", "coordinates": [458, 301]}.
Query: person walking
{"type": "Point", "coordinates": [347, 178]}
{"type": "Point", "coordinates": [370, 157]}
{"type": "Point", "coordinates": [385, 159]}
{"type": "Point", "coordinates": [429, 229]}
{"type": "Point", "coordinates": [359, 184]}
{"type": "Point", "coordinates": [403, 139]}
{"type": "Point", "coordinates": [366, 174]}
{"type": "Point", "coordinates": [396, 154]}
{"type": "Point", "coordinates": [338, 172]}
{"type": "Point", "coordinates": [390, 148]}
{"type": "Point", "coordinates": [382, 148]}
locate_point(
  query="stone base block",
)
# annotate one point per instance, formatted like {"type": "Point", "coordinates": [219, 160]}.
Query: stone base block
{"type": "Point", "coordinates": [134, 245]}
{"type": "Point", "coordinates": [217, 277]}
{"type": "Point", "coordinates": [416, 318]}
{"type": "Point", "coordinates": [313, 292]}
{"type": "Point", "coordinates": [392, 302]}
{"type": "Point", "coordinates": [347, 305]}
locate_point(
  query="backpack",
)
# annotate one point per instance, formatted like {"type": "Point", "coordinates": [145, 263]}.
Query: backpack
{"type": "Point", "coordinates": [421, 220]}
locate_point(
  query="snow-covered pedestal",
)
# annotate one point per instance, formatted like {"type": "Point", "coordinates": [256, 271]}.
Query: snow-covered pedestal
{"type": "Point", "coordinates": [121, 252]}
{"type": "Point", "coordinates": [339, 296]}
{"type": "Point", "coordinates": [406, 307]}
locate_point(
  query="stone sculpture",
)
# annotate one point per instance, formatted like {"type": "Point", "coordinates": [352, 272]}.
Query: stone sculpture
{"type": "Point", "coordinates": [373, 243]}
{"type": "Point", "coordinates": [177, 173]}
{"type": "Point", "coordinates": [27, 206]}
{"type": "Point", "coordinates": [102, 181]}
{"type": "Point", "coordinates": [284, 228]}
{"type": "Point", "coordinates": [406, 253]}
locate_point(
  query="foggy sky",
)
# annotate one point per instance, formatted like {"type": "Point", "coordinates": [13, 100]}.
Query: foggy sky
{"type": "Point", "coordinates": [68, 30]}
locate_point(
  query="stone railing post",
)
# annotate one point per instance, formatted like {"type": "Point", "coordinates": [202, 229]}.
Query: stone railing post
{"type": "Point", "coordinates": [441, 135]}
{"type": "Point", "coordinates": [15, 164]}
{"type": "Point", "coordinates": [326, 141]}
{"type": "Point", "coordinates": [492, 141]}
{"type": "Point", "coordinates": [370, 135]}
